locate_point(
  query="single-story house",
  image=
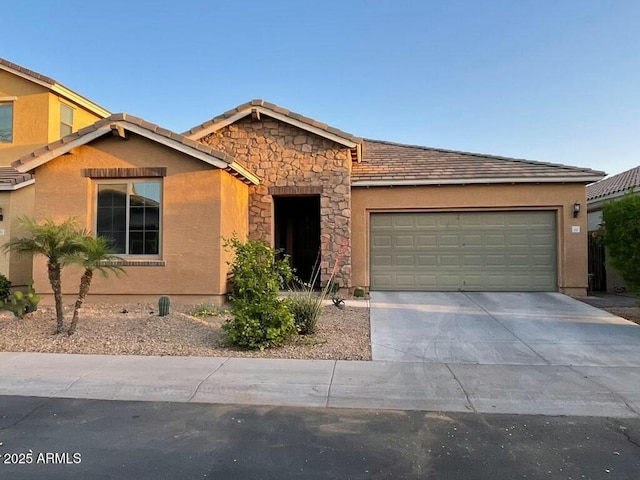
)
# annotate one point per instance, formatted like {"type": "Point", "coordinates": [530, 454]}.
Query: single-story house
{"type": "Point", "coordinates": [387, 216]}
{"type": "Point", "coordinates": [604, 277]}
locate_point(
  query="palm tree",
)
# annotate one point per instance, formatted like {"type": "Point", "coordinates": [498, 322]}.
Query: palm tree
{"type": "Point", "coordinates": [95, 254]}
{"type": "Point", "coordinates": [58, 243]}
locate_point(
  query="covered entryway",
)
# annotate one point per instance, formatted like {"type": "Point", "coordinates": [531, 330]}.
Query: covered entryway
{"type": "Point", "coordinates": [297, 231]}
{"type": "Point", "coordinates": [466, 251]}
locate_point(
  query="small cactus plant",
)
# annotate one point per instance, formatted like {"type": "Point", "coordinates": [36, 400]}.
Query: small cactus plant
{"type": "Point", "coordinates": [358, 292]}
{"type": "Point", "coordinates": [163, 306]}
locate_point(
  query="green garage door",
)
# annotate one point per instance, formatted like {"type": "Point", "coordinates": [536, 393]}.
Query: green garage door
{"type": "Point", "coordinates": [481, 251]}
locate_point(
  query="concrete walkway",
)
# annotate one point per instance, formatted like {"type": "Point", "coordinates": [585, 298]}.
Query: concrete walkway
{"type": "Point", "coordinates": [524, 389]}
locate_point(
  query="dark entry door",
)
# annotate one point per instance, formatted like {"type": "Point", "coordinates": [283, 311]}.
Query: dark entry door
{"type": "Point", "coordinates": [597, 271]}
{"type": "Point", "coordinates": [297, 231]}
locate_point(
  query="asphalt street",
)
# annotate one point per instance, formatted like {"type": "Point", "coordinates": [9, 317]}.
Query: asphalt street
{"type": "Point", "coordinates": [97, 439]}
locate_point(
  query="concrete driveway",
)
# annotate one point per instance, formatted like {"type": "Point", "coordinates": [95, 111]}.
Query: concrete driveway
{"type": "Point", "coordinates": [499, 329]}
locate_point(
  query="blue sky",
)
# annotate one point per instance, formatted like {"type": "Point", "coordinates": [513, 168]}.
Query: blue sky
{"type": "Point", "coordinates": [555, 81]}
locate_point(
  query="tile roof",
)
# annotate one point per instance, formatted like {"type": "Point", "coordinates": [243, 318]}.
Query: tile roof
{"type": "Point", "coordinates": [63, 145]}
{"type": "Point", "coordinates": [10, 177]}
{"type": "Point", "coordinates": [615, 185]}
{"type": "Point", "coordinates": [389, 163]}
{"type": "Point", "coordinates": [53, 85]}
{"type": "Point", "coordinates": [27, 72]}
{"type": "Point", "coordinates": [246, 107]}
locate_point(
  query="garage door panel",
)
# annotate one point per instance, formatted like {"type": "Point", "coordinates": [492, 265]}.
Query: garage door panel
{"type": "Point", "coordinates": [383, 260]}
{"type": "Point", "coordinates": [426, 240]}
{"type": "Point", "coordinates": [404, 240]}
{"type": "Point", "coordinates": [426, 260]}
{"type": "Point", "coordinates": [464, 251]}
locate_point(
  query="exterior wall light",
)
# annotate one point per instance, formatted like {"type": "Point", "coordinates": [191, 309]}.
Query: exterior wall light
{"type": "Point", "coordinates": [576, 209]}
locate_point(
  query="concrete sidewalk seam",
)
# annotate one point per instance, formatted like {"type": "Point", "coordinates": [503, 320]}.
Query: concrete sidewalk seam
{"type": "Point", "coordinates": [615, 394]}
{"type": "Point", "coordinates": [333, 372]}
{"type": "Point", "coordinates": [111, 362]}
{"type": "Point", "coordinates": [205, 379]}
{"type": "Point", "coordinates": [466, 395]}
{"type": "Point", "coordinates": [422, 359]}
{"type": "Point", "coordinates": [508, 330]}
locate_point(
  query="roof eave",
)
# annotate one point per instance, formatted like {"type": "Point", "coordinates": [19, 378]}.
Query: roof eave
{"type": "Point", "coordinates": [5, 187]}
{"type": "Point", "coordinates": [80, 100]}
{"type": "Point", "coordinates": [215, 126]}
{"type": "Point", "coordinates": [470, 181]}
{"type": "Point", "coordinates": [63, 148]}
{"type": "Point", "coordinates": [60, 90]}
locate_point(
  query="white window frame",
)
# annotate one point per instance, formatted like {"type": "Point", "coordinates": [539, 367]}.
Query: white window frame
{"type": "Point", "coordinates": [128, 181]}
{"type": "Point", "coordinates": [10, 101]}
{"type": "Point", "coordinates": [63, 123]}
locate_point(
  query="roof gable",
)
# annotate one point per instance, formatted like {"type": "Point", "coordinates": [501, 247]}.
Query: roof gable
{"type": "Point", "coordinates": [53, 86]}
{"type": "Point", "coordinates": [121, 123]}
{"type": "Point", "coordinates": [614, 186]}
{"type": "Point", "coordinates": [387, 163]}
{"type": "Point", "coordinates": [261, 107]}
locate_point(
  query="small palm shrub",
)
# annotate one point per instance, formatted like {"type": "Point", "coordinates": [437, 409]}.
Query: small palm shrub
{"type": "Point", "coordinates": [5, 288]}
{"type": "Point", "coordinates": [260, 319]}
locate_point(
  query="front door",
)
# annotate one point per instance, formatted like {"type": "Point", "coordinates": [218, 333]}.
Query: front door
{"type": "Point", "coordinates": [297, 232]}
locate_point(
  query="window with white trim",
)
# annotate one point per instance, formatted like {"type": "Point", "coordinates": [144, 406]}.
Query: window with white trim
{"type": "Point", "coordinates": [129, 212]}
{"type": "Point", "coordinates": [6, 122]}
{"type": "Point", "coordinates": [66, 120]}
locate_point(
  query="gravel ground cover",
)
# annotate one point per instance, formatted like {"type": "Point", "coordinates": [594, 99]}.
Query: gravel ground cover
{"type": "Point", "coordinates": [136, 329]}
{"type": "Point", "coordinates": [630, 313]}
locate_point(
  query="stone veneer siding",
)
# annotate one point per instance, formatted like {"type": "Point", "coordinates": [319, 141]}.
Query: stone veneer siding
{"type": "Point", "coordinates": [288, 159]}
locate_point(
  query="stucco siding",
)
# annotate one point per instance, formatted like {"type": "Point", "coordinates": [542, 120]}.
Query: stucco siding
{"type": "Point", "coordinates": [234, 219]}
{"type": "Point", "coordinates": [191, 203]}
{"type": "Point", "coordinates": [571, 247]}
{"type": "Point", "coordinates": [30, 116]}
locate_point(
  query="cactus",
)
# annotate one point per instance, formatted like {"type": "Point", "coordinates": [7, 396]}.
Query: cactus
{"type": "Point", "coordinates": [358, 292]}
{"type": "Point", "coordinates": [163, 306]}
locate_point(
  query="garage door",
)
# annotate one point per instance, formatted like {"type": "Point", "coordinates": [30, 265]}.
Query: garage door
{"type": "Point", "coordinates": [481, 251]}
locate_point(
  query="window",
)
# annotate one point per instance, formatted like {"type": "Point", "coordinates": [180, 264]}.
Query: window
{"type": "Point", "coordinates": [66, 120]}
{"type": "Point", "coordinates": [6, 122]}
{"type": "Point", "coordinates": [128, 213]}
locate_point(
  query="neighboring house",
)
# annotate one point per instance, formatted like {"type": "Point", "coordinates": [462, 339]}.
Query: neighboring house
{"type": "Point", "coordinates": [604, 277]}
{"type": "Point", "coordinates": [391, 216]}
{"type": "Point", "coordinates": [34, 111]}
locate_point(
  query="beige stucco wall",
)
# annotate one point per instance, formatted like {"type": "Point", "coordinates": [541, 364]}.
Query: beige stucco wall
{"type": "Point", "coordinates": [234, 219]}
{"type": "Point", "coordinates": [284, 156]}
{"type": "Point", "coordinates": [572, 247]}
{"type": "Point", "coordinates": [20, 266]}
{"type": "Point", "coordinates": [30, 116]}
{"type": "Point", "coordinates": [36, 116]}
{"type": "Point", "coordinates": [191, 217]}
{"type": "Point", "coordinates": [14, 204]}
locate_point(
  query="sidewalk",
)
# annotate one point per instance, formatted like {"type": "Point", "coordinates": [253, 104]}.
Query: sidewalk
{"type": "Point", "coordinates": [520, 389]}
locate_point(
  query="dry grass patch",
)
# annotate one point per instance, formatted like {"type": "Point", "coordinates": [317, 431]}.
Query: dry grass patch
{"type": "Point", "coordinates": [138, 330]}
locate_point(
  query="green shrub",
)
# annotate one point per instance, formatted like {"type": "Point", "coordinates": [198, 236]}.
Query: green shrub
{"type": "Point", "coordinates": [21, 303]}
{"type": "Point", "coordinates": [621, 236]}
{"type": "Point", "coordinates": [332, 287]}
{"type": "Point", "coordinates": [5, 288]}
{"type": "Point", "coordinates": [306, 308]}
{"type": "Point", "coordinates": [260, 318]}
{"type": "Point", "coordinates": [358, 292]}
{"type": "Point", "coordinates": [259, 326]}
{"type": "Point", "coordinates": [207, 310]}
